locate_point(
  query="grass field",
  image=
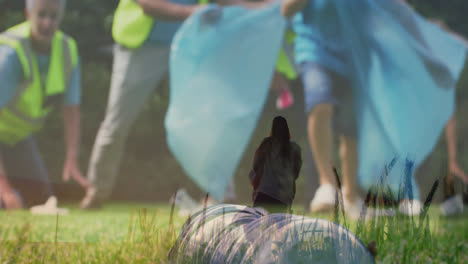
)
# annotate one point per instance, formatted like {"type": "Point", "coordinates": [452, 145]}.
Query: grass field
{"type": "Point", "coordinates": [141, 233]}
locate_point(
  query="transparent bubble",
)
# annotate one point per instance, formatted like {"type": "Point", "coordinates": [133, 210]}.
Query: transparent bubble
{"type": "Point", "coordinates": [239, 234]}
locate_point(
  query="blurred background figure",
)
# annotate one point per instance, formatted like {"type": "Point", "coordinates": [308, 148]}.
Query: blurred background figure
{"type": "Point", "coordinates": [343, 59]}
{"type": "Point", "coordinates": [143, 31]}
{"type": "Point", "coordinates": [40, 71]}
{"type": "Point", "coordinates": [276, 166]}
{"type": "Point", "coordinates": [452, 203]}
{"type": "Point", "coordinates": [328, 103]}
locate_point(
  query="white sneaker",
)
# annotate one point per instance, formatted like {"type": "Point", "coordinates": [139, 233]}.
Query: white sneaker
{"type": "Point", "coordinates": [452, 206]}
{"type": "Point", "coordinates": [49, 208]}
{"type": "Point", "coordinates": [411, 208]}
{"type": "Point", "coordinates": [353, 209]}
{"type": "Point", "coordinates": [324, 199]}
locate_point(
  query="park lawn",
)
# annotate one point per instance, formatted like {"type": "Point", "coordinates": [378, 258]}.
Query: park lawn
{"type": "Point", "coordinates": [141, 233]}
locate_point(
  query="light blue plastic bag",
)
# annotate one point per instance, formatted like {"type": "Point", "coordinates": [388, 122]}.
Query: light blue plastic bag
{"type": "Point", "coordinates": [404, 74]}
{"type": "Point", "coordinates": [403, 71]}
{"type": "Point", "coordinates": [220, 74]}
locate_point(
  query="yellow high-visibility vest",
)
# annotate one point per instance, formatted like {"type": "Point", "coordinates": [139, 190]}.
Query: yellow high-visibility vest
{"type": "Point", "coordinates": [131, 26]}
{"type": "Point", "coordinates": [26, 112]}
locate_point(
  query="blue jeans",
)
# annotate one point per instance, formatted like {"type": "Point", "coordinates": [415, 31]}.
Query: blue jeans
{"type": "Point", "coordinates": [26, 172]}
{"type": "Point", "coordinates": [322, 85]}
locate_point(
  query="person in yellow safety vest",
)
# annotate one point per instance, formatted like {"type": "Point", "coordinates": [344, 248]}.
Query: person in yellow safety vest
{"type": "Point", "coordinates": [39, 69]}
{"type": "Point", "coordinates": [143, 31]}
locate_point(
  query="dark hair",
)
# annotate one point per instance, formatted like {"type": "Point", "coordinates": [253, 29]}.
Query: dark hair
{"type": "Point", "coordinates": [280, 134]}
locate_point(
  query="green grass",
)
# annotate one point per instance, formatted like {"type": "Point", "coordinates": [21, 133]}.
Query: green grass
{"type": "Point", "coordinates": [141, 233]}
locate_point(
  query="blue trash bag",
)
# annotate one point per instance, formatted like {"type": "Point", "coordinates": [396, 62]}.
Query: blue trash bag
{"type": "Point", "coordinates": [405, 72]}
{"type": "Point", "coordinates": [220, 71]}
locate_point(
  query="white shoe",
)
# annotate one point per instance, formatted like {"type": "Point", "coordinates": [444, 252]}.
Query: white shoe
{"type": "Point", "coordinates": [452, 206]}
{"type": "Point", "coordinates": [324, 199]}
{"type": "Point", "coordinates": [353, 209]}
{"type": "Point", "coordinates": [411, 208]}
{"type": "Point", "coordinates": [49, 208]}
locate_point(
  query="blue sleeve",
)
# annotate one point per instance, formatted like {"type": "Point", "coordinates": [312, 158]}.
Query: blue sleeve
{"type": "Point", "coordinates": [73, 92]}
{"type": "Point", "coordinates": [11, 74]}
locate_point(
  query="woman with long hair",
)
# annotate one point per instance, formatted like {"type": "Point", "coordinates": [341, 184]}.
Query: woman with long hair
{"type": "Point", "coordinates": [276, 167]}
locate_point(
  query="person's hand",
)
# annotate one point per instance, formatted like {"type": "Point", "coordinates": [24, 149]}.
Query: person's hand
{"type": "Point", "coordinates": [71, 169]}
{"type": "Point", "coordinates": [291, 7]}
{"type": "Point", "coordinates": [212, 14]}
{"type": "Point", "coordinates": [10, 199]}
{"type": "Point", "coordinates": [454, 169]}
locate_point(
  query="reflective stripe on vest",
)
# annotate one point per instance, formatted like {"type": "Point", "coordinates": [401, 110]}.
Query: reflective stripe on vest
{"type": "Point", "coordinates": [26, 111]}
{"type": "Point", "coordinates": [131, 26]}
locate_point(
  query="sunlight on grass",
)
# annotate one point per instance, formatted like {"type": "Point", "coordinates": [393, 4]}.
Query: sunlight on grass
{"type": "Point", "coordinates": [128, 233]}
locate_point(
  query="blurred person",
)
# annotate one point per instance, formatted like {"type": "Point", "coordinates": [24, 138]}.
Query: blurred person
{"type": "Point", "coordinates": [40, 71]}
{"type": "Point", "coordinates": [325, 60]}
{"type": "Point", "coordinates": [143, 31]}
{"type": "Point", "coordinates": [329, 105]}
{"type": "Point", "coordinates": [452, 203]}
{"type": "Point", "coordinates": [276, 166]}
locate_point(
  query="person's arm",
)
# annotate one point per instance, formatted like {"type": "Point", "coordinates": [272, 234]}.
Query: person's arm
{"type": "Point", "coordinates": [291, 7]}
{"type": "Point", "coordinates": [7, 194]}
{"type": "Point", "coordinates": [252, 172]}
{"type": "Point", "coordinates": [246, 3]}
{"type": "Point", "coordinates": [72, 128]}
{"type": "Point", "coordinates": [165, 10]}
{"type": "Point", "coordinates": [297, 161]}
{"type": "Point", "coordinates": [11, 74]}
{"type": "Point", "coordinates": [71, 118]}
{"type": "Point", "coordinates": [253, 175]}
{"type": "Point", "coordinates": [451, 137]}
{"type": "Point", "coordinates": [257, 166]}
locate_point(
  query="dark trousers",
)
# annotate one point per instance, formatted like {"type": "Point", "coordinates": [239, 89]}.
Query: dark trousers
{"type": "Point", "coordinates": [26, 171]}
